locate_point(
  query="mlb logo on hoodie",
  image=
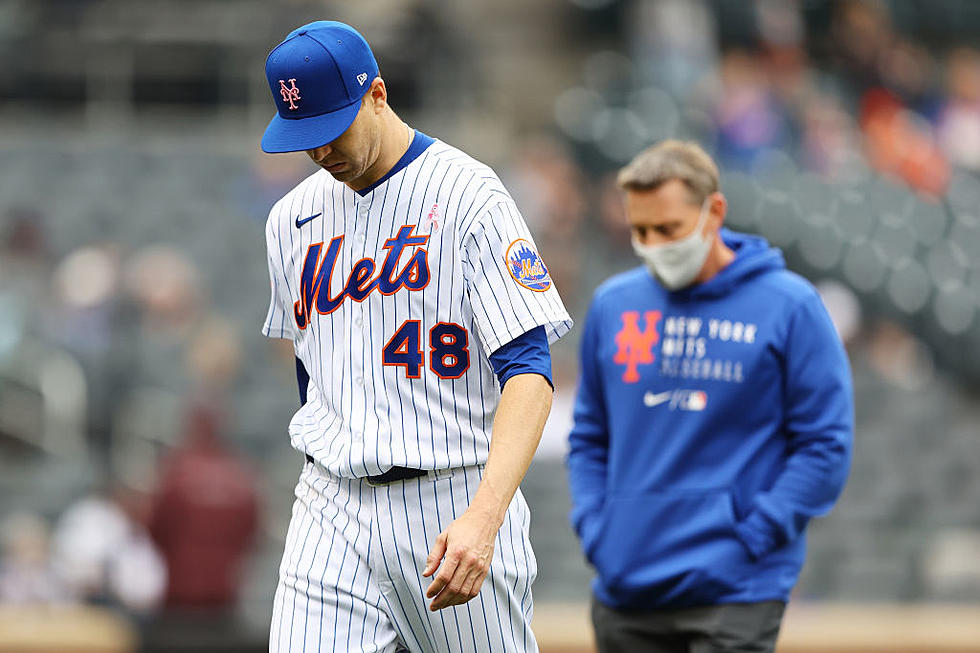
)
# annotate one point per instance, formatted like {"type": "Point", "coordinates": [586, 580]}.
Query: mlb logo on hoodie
{"type": "Point", "coordinates": [695, 400]}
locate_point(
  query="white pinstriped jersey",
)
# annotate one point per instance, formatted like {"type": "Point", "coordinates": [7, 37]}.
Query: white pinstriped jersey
{"type": "Point", "coordinates": [394, 301]}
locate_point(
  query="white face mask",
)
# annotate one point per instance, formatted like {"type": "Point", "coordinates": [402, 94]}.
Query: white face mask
{"type": "Point", "coordinates": [676, 264]}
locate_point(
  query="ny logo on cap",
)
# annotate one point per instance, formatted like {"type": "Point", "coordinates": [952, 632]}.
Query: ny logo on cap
{"type": "Point", "coordinates": [362, 78]}
{"type": "Point", "coordinates": [289, 93]}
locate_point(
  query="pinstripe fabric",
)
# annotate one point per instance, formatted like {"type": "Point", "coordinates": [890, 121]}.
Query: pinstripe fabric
{"type": "Point", "coordinates": [328, 598]}
{"type": "Point", "coordinates": [362, 417]}
{"type": "Point", "coordinates": [351, 576]}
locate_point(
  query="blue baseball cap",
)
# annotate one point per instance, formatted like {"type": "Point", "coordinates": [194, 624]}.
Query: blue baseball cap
{"type": "Point", "coordinates": [317, 76]}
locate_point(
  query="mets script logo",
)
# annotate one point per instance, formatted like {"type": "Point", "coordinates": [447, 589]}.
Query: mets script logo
{"type": "Point", "coordinates": [526, 266]}
{"type": "Point", "coordinates": [314, 286]}
{"type": "Point", "coordinates": [289, 93]}
{"type": "Point", "coordinates": [635, 347]}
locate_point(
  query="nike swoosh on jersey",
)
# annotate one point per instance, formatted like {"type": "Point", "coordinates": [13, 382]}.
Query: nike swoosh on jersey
{"type": "Point", "coordinates": [651, 400]}
{"type": "Point", "coordinates": [300, 223]}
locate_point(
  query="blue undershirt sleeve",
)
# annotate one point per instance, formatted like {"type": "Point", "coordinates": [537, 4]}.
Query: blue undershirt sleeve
{"type": "Point", "coordinates": [527, 353]}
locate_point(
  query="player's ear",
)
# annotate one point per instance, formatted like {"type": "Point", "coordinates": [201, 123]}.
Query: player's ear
{"type": "Point", "coordinates": [378, 94]}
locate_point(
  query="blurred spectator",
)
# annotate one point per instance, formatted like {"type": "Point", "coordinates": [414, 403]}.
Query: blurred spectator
{"type": "Point", "coordinates": [861, 32]}
{"type": "Point", "coordinates": [750, 122]}
{"type": "Point", "coordinates": [26, 574]}
{"type": "Point", "coordinates": [86, 300]}
{"type": "Point", "coordinates": [86, 286]}
{"type": "Point", "coordinates": [610, 248]}
{"type": "Point", "coordinates": [959, 118]}
{"type": "Point", "coordinates": [24, 263]}
{"type": "Point", "coordinates": [167, 286]}
{"type": "Point", "coordinates": [612, 216]}
{"type": "Point", "coordinates": [105, 555]}
{"type": "Point", "coordinates": [907, 69]}
{"type": "Point", "coordinates": [890, 79]}
{"type": "Point", "coordinates": [23, 243]}
{"type": "Point", "coordinates": [213, 358]}
{"type": "Point", "coordinates": [268, 179]}
{"type": "Point", "coordinates": [899, 357]}
{"type": "Point", "coordinates": [901, 143]}
{"type": "Point", "coordinates": [550, 187]}
{"type": "Point", "coordinates": [830, 138]}
{"type": "Point", "coordinates": [780, 23]}
{"type": "Point", "coordinates": [672, 42]}
{"type": "Point", "coordinates": [204, 517]}
{"type": "Point", "coordinates": [169, 301]}
{"type": "Point", "coordinates": [843, 307]}
{"type": "Point", "coordinates": [790, 77]}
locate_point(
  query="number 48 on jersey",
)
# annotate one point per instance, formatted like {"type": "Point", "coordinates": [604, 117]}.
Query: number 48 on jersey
{"type": "Point", "coordinates": [449, 355]}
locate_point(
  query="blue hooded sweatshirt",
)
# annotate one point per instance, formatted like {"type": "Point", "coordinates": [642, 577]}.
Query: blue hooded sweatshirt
{"type": "Point", "coordinates": [711, 424]}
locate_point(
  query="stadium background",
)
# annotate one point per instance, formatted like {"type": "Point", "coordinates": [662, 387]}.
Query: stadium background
{"type": "Point", "coordinates": [133, 280]}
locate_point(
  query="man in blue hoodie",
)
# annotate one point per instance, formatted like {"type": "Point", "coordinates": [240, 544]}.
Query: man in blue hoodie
{"type": "Point", "coordinates": [714, 418]}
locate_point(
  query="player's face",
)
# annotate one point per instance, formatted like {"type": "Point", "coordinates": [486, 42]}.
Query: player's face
{"type": "Point", "coordinates": [669, 213]}
{"type": "Point", "coordinates": [350, 157]}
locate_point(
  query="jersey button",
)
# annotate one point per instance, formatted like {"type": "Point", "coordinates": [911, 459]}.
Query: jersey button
{"type": "Point", "coordinates": [359, 380]}
{"type": "Point", "coordinates": [359, 238]}
{"type": "Point", "coordinates": [358, 322]}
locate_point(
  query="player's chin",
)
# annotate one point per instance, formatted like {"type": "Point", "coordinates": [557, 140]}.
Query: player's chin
{"type": "Point", "coordinates": [345, 177]}
{"type": "Point", "coordinates": [340, 172]}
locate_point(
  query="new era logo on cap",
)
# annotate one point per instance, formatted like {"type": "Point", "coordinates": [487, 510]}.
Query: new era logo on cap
{"type": "Point", "coordinates": [318, 76]}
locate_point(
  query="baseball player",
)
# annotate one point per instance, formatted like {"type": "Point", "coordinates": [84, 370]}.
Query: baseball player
{"type": "Point", "coordinates": [421, 314]}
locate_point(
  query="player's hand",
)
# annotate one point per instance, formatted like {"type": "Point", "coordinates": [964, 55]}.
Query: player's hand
{"type": "Point", "coordinates": [462, 555]}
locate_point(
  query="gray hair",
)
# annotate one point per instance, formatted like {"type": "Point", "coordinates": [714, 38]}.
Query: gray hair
{"type": "Point", "coordinates": [671, 159]}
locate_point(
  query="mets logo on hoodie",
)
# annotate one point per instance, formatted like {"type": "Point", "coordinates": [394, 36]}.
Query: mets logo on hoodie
{"type": "Point", "coordinates": [527, 266]}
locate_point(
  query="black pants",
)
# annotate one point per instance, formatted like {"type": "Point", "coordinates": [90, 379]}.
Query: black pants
{"type": "Point", "coordinates": [726, 628]}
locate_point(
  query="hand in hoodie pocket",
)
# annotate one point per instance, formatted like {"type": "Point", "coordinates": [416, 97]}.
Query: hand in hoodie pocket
{"type": "Point", "coordinates": [679, 546]}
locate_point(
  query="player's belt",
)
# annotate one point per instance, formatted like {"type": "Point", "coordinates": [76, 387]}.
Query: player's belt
{"type": "Point", "coordinates": [393, 475]}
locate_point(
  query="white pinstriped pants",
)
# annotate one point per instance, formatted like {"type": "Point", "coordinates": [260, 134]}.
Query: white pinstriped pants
{"type": "Point", "coordinates": [351, 574]}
